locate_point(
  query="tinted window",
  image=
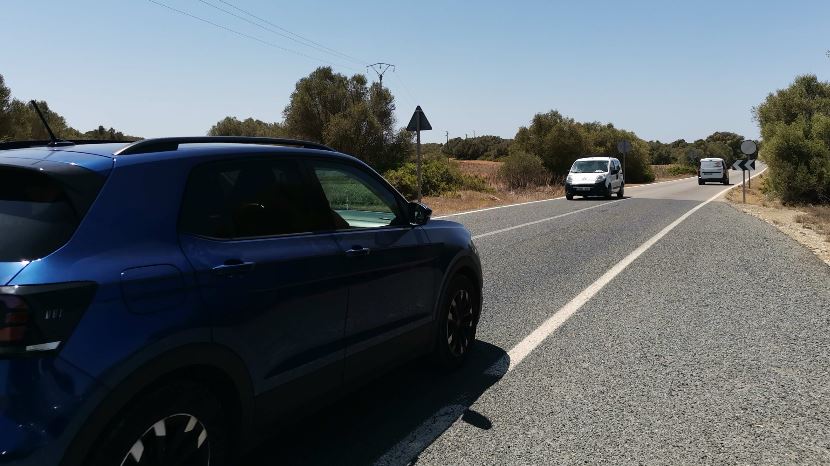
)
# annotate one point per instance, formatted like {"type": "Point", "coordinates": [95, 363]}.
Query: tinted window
{"type": "Point", "coordinates": [357, 200]}
{"type": "Point", "coordinates": [36, 215]}
{"type": "Point", "coordinates": [252, 198]}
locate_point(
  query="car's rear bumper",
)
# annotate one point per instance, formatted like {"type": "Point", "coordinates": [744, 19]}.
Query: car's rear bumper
{"type": "Point", "coordinates": [596, 189]}
{"type": "Point", "coordinates": [39, 408]}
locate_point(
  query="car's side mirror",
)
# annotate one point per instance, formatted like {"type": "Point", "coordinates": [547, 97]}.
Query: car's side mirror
{"type": "Point", "coordinates": [419, 214]}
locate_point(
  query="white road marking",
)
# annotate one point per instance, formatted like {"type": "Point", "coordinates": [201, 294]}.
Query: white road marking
{"type": "Point", "coordinates": [548, 200]}
{"type": "Point", "coordinates": [532, 341]}
{"type": "Point", "coordinates": [422, 437]}
{"type": "Point", "coordinates": [522, 225]}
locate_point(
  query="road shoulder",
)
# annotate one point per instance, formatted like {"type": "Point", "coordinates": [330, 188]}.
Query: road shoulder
{"type": "Point", "coordinates": [792, 221]}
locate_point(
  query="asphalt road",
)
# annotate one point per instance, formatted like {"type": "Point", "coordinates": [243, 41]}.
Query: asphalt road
{"type": "Point", "coordinates": [664, 328]}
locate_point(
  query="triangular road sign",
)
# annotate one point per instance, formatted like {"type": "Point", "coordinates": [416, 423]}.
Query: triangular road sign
{"type": "Point", "coordinates": [419, 121]}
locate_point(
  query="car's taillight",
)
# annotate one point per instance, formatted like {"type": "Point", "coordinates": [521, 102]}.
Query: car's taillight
{"type": "Point", "coordinates": [38, 318]}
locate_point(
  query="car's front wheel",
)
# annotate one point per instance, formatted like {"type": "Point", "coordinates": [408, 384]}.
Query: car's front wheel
{"type": "Point", "coordinates": [621, 192]}
{"type": "Point", "coordinates": [181, 423]}
{"type": "Point", "coordinates": [457, 322]}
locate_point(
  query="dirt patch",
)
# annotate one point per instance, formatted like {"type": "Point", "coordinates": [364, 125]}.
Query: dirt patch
{"type": "Point", "coordinates": [809, 225]}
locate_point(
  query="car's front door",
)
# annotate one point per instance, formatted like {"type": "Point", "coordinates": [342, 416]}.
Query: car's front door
{"type": "Point", "coordinates": [391, 268]}
{"type": "Point", "coordinates": [267, 266]}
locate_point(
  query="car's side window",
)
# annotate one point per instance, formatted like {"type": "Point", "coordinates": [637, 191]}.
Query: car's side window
{"type": "Point", "coordinates": [251, 198]}
{"type": "Point", "coordinates": [356, 200]}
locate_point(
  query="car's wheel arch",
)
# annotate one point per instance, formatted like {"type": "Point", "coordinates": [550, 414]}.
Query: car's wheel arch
{"type": "Point", "coordinates": [208, 363]}
{"type": "Point", "coordinates": [466, 265]}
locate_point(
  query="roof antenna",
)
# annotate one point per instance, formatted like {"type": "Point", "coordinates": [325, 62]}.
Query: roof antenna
{"type": "Point", "coordinates": [54, 142]}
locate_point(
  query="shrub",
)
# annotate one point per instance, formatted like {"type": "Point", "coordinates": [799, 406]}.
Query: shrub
{"type": "Point", "coordinates": [438, 176]}
{"type": "Point", "coordinates": [682, 169]}
{"type": "Point", "coordinates": [523, 170]}
{"type": "Point", "coordinates": [795, 126]}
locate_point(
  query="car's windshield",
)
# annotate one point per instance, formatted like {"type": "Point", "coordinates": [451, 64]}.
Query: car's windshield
{"type": "Point", "coordinates": [590, 166]}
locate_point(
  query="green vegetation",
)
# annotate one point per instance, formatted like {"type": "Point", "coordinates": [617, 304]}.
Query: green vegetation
{"type": "Point", "coordinates": [439, 176]}
{"type": "Point", "coordinates": [559, 140]}
{"type": "Point", "coordinates": [18, 121]}
{"type": "Point", "coordinates": [231, 126]}
{"type": "Point", "coordinates": [522, 170]}
{"type": "Point", "coordinates": [478, 148]}
{"type": "Point", "coordinates": [721, 144]}
{"type": "Point", "coordinates": [795, 127]}
{"type": "Point", "coordinates": [345, 113]}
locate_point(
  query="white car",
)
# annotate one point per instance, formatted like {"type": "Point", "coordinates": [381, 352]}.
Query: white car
{"type": "Point", "coordinates": [712, 169]}
{"type": "Point", "coordinates": [595, 176]}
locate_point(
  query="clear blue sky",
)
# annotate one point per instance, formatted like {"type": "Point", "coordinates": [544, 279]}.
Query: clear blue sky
{"type": "Point", "coordinates": [663, 69]}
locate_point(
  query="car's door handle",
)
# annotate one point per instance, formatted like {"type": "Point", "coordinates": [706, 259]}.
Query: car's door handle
{"type": "Point", "coordinates": [356, 251]}
{"type": "Point", "coordinates": [233, 267]}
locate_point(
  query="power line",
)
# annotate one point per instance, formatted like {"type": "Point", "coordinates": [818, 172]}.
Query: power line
{"type": "Point", "coordinates": [248, 36]}
{"type": "Point", "coordinates": [343, 55]}
{"type": "Point", "coordinates": [273, 31]}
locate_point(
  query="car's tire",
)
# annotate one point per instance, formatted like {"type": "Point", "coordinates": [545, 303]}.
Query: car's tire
{"type": "Point", "coordinates": [457, 321]}
{"type": "Point", "coordinates": [609, 192]}
{"type": "Point", "coordinates": [621, 192]}
{"type": "Point", "coordinates": [569, 197]}
{"type": "Point", "coordinates": [181, 423]}
{"type": "Point", "coordinates": [700, 182]}
{"type": "Point", "coordinates": [726, 180]}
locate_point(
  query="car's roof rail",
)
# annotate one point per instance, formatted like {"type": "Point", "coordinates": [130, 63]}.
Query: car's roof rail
{"type": "Point", "coordinates": [171, 144]}
{"type": "Point", "coordinates": [8, 145]}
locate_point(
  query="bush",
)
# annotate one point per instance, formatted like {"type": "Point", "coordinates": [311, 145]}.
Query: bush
{"type": "Point", "coordinates": [523, 170]}
{"type": "Point", "coordinates": [439, 176]}
{"type": "Point", "coordinates": [795, 126]}
{"type": "Point", "coordinates": [682, 169]}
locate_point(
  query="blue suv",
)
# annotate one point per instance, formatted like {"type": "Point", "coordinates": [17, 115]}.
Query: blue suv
{"type": "Point", "coordinates": [163, 301]}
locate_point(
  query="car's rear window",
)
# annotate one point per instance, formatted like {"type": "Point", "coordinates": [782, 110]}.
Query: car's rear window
{"type": "Point", "coordinates": [37, 214]}
{"type": "Point", "coordinates": [710, 164]}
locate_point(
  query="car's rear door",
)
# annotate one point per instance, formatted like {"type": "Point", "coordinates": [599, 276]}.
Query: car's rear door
{"type": "Point", "coordinates": [391, 268]}
{"type": "Point", "coordinates": [267, 266]}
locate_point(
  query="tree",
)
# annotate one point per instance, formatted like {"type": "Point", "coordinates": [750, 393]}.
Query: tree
{"type": "Point", "coordinates": [348, 115]}
{"type": "Point", "coordinates": [231, 126]}
{"type": "Point", "coordinates": [559, 141]}
{"type": "Point", "coordinates": [795, 126]}
{"type": "Point", "coordinates": [5, 104]}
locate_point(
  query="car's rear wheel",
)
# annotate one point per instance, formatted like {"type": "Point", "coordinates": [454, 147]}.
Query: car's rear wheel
{"type": "Point", "coordinates": [700, 182]}
{"type": "Point", "coordinates": [569, 197]}
{"type": "Point", "coordinates": [457, 322]}
{"type": "Point", "coordinates": [181, 423]}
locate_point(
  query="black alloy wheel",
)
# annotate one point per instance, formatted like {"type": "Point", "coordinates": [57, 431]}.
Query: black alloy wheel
{"type": "Point", "coordinates": [457, 322]}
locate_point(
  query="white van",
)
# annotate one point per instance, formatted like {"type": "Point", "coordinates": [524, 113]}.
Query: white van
{"type": "Point", "coordinates": [595, 176]}
{"type": "Point", "coordinates": [712, 169]}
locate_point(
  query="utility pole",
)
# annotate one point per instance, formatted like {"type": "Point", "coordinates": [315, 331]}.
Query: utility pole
{"type": "Point", "coordinates": [380, 69]}
{"type": "Point", "coordinates": [447, 133]}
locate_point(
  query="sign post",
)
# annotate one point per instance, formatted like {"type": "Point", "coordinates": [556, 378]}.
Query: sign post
{"type": "Point", "coordinates": [749, 148]}
{"type": "Point", "coordinates": [624, 147]}
{"type": "Point", "coordinates": [418, 123]}
{"type": "Point", "coordinates": [744, 165]}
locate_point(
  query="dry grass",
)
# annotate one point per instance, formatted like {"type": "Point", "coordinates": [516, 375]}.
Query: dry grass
{"type": "Point", "coordinates": [471, 200]}
{"type": "Point", "coordinates": [816, 217]}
